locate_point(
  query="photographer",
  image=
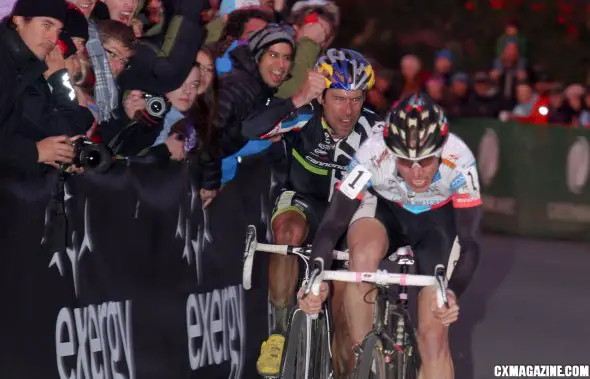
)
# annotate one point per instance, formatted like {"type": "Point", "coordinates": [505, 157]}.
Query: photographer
{"type": "Point", "coordinates": [152, 119]}
{"type": "Point", "coordinates": [27, 38]}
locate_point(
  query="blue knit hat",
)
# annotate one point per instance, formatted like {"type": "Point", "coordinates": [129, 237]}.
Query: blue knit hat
{"type": "Point", "coordinates": [448, 54]}
{"type": "Point", "coordinates": [228, 6]}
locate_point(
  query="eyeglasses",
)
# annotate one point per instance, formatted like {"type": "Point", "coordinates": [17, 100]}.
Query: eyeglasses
{"type": "Point", "coordinates": [112, 55]}
{"type": "Point", "coordinates": [424, 162]}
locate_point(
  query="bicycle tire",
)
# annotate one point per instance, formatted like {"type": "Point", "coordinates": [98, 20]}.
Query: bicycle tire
{"type": "Point", "coordinates": [371, 357]}
{"type": "Point", "coordinates": [295, 362]}
{"type": "Point", "coordinates": [321, 354]}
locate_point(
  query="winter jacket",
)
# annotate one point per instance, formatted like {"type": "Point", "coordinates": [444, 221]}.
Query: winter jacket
{"type": "Point", "coordinates": [35, 108]}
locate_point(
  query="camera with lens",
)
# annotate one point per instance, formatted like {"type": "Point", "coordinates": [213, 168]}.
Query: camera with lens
{"type": "Point", "coordinates": [156, 105]}
{"type": "Point", "coordinates": [90, 156]}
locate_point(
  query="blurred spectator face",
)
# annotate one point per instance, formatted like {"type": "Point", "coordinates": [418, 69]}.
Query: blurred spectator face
{"type": "Point", "coordinates": [117, 55]}
{"type": "Point", "coordinates": [121, 10]}
{"type": "Point", "coordinates": [342, 109]}
{"type": "Point", "coordinates": [207, 71]}
{"type": "Point", "coordinates": [510, 54]}
{"type": "Point", "coordinates": [434, 87]}
{"type": "Point", "coordinates": [524, 93]}
{"type": "Point", "coordinates": [459, 88]}
{"type": "Point", "coordinates": [511, 30]}
{"type": "Point", "coordinates": [443, 65]}
{"type": "Point", "coordinates": [154, 11]}
{"type": "Point", "coordinates": [382, 84]}
{"type": "Point", "coordinates": [268, 3]}
{"type": "Point", "coordinates": [86, 6]}
{"type": "Point", "coordinates": [481, 88]}
{"type": "Point", "coordinates": [410, 66]}
{"type": "Point", "coordinates": [556, 99]}
{"type": "Point", "coordinates": [275, 64]}
{"type": "Point", "coordinates": [80, 44]}
{"type": "Point", "coordinates": [184, 97]}
{"type": "Point", "coordinates": [40, 34]}
{"type": "Point", "coordinates": [252, 26]}
{"type": "Point", "coordinates": [575, 102]}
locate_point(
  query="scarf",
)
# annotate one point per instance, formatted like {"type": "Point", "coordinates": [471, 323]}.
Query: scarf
{"type": "Point", "coordinates": [105, 88]}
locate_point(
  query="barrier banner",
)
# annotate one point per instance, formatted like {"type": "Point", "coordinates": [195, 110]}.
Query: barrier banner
{"type": "Point", "coordinates": [134, 279]}
{"type": "Point", "coordinates": [534, 178]}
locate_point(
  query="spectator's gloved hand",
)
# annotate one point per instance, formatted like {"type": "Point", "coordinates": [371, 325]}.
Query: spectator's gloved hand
{"type": "Point", "coordinates": [191, 9]}
{"type": "Point", "coordinates": [175, 145]}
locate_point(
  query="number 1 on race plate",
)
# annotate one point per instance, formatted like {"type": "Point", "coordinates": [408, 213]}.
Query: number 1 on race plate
{"type": "Point", "coordinates": [355, 181]}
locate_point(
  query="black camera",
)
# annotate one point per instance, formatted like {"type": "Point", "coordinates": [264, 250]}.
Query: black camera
{"type": "Point", "coordinates": [90, 156]}
{"type": "Point", "coordinates": [156, 105]}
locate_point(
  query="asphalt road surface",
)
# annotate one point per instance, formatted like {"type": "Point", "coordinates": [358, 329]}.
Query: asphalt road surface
{"type": "Point", "coordinates": [528, 304]}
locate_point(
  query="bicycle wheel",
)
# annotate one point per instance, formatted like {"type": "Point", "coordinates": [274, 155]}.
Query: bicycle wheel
{"type": "Point", "coordinates": [322, 357]}
{"type": "Point", "coordinates": [295, 363]}
{"type": "Point", "coordinates": [372, 362]}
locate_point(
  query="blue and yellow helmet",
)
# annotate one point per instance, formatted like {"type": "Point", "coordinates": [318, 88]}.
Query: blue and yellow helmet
{"type": "Point", "coordinates": [347, 69]}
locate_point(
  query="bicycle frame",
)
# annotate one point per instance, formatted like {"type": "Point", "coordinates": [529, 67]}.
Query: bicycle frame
{"type": "Point", "coordinates": [384, 308]}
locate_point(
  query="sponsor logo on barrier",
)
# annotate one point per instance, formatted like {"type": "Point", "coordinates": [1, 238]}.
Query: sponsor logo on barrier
{"type": "Point", "coordinates": [578, 165]}
{"type": "Point", "coordinates": [216, 329]}
{"type": "Point", "coordinates": [193, 245]}
{"type": "Point", "coordinates": [99, 337]}
{"type": "Point", "coordinates": [572, 212]}
{"type": "Point", "coordinates": [488, 156]}
{"type": "Point", "coordinates": [499, 205]}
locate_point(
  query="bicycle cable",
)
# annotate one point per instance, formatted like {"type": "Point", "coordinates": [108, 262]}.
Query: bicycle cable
{"type": "Point", "coordinates": [366, 294]}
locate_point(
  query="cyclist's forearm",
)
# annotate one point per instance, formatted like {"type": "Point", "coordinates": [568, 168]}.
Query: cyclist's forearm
{"type": "Point", "coordinates": [333, 225]}
{"type": "Point", "coordinates": [262, 124]}
{"type": "Point", "coordinates": [468, 222]}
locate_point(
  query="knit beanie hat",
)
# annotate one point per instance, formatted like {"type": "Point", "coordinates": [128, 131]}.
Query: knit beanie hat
{"type": "Point", "coordinates": [76, 24]}
{"type": "Point", "coordinates": [271, 35]}
{"type": "Point", "coordinates": [45, 8]}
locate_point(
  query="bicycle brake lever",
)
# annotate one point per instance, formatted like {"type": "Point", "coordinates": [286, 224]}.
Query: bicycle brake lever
{"type": "Point", "coordinates": [441, 293]}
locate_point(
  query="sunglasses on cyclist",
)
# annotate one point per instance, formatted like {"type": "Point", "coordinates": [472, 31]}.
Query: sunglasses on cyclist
{"type": "Point", "coordinates": [424, 162]}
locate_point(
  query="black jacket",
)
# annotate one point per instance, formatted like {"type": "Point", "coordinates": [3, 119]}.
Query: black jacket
{"type": "Point", "coordinates": [29, 110]}
{"type": "Point", "coordinates": [241, 92]}
{"type": "Point", "coordinates": [18, 69]}
{"type": "Point", "coordinates": [161, 64]}
{"type": "Point", "coordinates": [50, 109]}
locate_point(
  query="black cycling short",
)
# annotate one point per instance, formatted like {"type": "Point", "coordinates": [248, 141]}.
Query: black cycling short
{"type": "Point", "coordinates": [312, 210]}
{"type": "Point", "coordinates": [431, 234]}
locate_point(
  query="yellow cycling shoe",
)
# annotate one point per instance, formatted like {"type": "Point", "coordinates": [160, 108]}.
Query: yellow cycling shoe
{"type": "Point", "coordinates": [269, 362]}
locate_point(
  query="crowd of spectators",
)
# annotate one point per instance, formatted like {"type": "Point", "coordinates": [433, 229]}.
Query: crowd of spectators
{"type": "Point", "coordinates": [511, 89]}
{"type": "Point", "coordinates": [165, 80]}
{"type": "Point", "coordinates": [174, 79]}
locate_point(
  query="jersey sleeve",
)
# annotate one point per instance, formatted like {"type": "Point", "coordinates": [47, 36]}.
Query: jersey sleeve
{"type": "Point", "coordinates": [279, 118]}
{"type": "Point", "coordinates": [465, 183]}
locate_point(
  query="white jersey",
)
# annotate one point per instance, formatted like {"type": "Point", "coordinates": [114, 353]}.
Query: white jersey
{"type": "Point", "coordinates": [374, 166]}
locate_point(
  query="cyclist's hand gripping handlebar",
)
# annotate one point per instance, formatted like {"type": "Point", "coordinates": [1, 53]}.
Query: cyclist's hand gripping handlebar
{"type": "Point", "coordinates": [316, 276]}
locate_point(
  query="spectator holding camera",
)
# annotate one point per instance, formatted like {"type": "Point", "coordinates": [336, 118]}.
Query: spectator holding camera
{"type": "Point", "coordinates": [152, 119]}
{"type": "Point", "coordinates": [28, 40]}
